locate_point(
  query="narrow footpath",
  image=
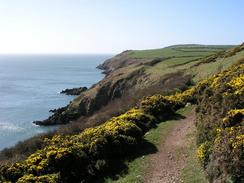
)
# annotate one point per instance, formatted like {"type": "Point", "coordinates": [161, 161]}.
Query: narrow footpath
{"type": "Point", "coordinates": [167, 164]}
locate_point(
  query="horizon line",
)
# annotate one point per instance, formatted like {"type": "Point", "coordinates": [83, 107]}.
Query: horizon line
{"type": "Point", "coordinates": [112, 53]}
{"type": "Point", "coordinates": [57, 53]}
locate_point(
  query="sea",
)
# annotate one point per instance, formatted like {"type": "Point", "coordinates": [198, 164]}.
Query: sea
{"type": "Point", "coordinates": [30, 86]}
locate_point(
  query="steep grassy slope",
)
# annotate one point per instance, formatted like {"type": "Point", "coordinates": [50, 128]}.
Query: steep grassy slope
{"type": "Point", "coordinates": [196, 62]}
{"type": "Point", "coordinates": [147, 72]}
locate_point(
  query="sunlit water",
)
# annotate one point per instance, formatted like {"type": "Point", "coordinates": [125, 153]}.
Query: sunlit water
{"type": "Point", "coordinates": [30, 86]}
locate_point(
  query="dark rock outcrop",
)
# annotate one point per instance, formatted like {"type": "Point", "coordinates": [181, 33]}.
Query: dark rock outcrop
{"type": "Point", "coordinates": [74, 91]}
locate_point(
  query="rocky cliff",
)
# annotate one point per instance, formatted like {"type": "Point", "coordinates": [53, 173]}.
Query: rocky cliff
{"type": "Point", "coordinates": [170, 68]}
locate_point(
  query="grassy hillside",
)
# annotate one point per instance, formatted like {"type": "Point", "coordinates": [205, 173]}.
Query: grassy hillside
{"type": "Point", "coordinates": [198, 61]}
{"type": "Point", "coordinates": [140, 71]}
{"type": "Point", "coordinates": [192, 61]}
{"type": "Point", "coordinates": [179, 51]}
{"type": "Point", "coordinates": [164, 70]}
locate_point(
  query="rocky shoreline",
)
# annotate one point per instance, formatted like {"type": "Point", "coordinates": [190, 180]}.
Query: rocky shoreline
{"type": "Point", "coordinates": [115, 83]}
{"type": "Point", "coordinates": [74, 91]}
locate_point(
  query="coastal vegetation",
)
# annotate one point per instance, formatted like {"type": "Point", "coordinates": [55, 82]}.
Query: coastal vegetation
{"type": "Point", "coordinates": [220, 117]}
{"type": "Point", "coordinates": [131, 80]}
{"type": "Point", "coordinates": [98, 146]}
{"type": "Point", "coordinates": [91, 154]}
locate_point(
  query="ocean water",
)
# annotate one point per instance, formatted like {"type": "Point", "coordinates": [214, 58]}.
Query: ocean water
{"type": "Point", "coordinates": [30, 86]}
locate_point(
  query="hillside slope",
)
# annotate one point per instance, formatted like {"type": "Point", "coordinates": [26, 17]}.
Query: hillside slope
{"type": "Point", "coordinates": [140, 73]}
{"type": "Point", "coordinates": [100, 151]}
{"type": "Point", "coordinates": [220, 125]}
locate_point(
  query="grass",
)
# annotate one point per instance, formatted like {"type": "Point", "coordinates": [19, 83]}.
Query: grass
{"type": "Point", "coordinates": [192, 171]}
{"type": "Point", "coordinates": [167, 66]}
{"type": "Point", "coordinates": [178, 51]}
{"type": "Point", "coordinates": [208, 69]}
{"type": "Point", "coordinates": [184, 60]}
{"type": "Point", "coordinates": [138, 166]}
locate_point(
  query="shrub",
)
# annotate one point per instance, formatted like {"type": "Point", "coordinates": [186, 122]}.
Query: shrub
{"type": "Point", "coordinates": [158, 106]}
{"type": "Point", "coordinates": [85, 154]}
{"type": "Point", "coordinates": [52, 178]}
{"type": "Point", "coordinates": [203, 153]}
{"type": "Point", "coordinates": [220, 131]}
{"type": "Point", "coordinates": [234, 117]}
{"type": "Point", "coordinates": [228, 152]}
{"type": "Point", "coordinates": [163, 107]}
{"type": "Point", "coordinates": [141, 119]}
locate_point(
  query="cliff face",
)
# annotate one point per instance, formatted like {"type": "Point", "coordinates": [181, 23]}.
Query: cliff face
{"type": "Point", "coordinates": [114, 85]}
{"type": "Point", "coordinates": [142, 70]}
{"type": "Point", "coordinates": [123, 60]}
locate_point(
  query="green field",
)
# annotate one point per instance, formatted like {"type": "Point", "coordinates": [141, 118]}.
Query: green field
{"type": "Point", "coordinates": [178, 51]}
{"type": "Point", "coordinates": [188, 59]}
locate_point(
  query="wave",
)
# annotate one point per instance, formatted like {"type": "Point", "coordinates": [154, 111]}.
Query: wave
{"type": "Point", "coordinates": [6, 126]}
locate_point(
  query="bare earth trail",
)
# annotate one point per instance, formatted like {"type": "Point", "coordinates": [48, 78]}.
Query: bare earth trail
{"type": "Point", "coordinates": [167, 164]}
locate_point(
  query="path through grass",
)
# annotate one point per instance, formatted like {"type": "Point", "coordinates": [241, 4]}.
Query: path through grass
{"type": "Point", "coordinates": [138, 166]}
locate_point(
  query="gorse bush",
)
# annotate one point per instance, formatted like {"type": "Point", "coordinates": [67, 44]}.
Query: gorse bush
{"type": "Point", "coordinates": [140, 118]}
{"type": "Point", "coordinates": [52, 178]}
{"type": "Point", "coordinates": [228, 152]}
{"type": "Point", "coordinates": [203, 153]}
{"type": "Point", "coordinates": [234, 117]}
{"type": "Point", "coordinates": [77, 158]}
{"type": "Point", "coordinates": [163, 107]}
{"type": "Point", "coordinates": [220, 120]}
{"type": "Point", "coordinates": [158, 106]}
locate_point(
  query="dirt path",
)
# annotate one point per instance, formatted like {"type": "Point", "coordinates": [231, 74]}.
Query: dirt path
{"type": "Point", "coordinates": [167, 164]}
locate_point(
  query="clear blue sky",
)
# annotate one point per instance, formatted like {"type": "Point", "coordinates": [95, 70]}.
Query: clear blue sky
{"type": "Point", "coordinates": [111, 26]}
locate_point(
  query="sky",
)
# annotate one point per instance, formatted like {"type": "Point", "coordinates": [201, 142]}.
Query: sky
{"type": "Point", "coordinates": [111, 26]}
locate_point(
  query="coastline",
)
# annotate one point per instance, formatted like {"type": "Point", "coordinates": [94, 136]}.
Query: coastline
{"type": "Point", "coordinates": [128, 78]}
{"type": "Point", "coordinates": [41, 91]}
{"type": "Point", "coordinates": [53, 120]}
